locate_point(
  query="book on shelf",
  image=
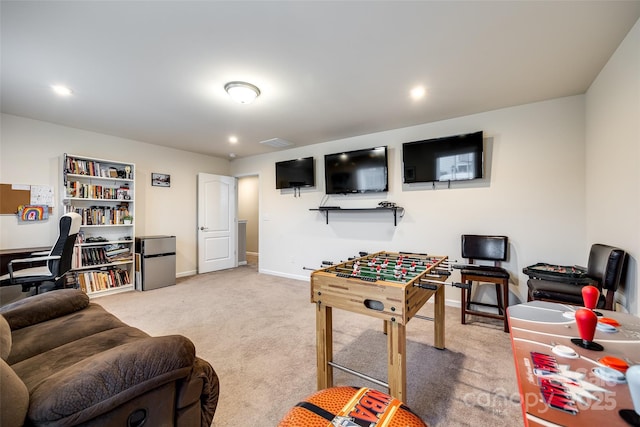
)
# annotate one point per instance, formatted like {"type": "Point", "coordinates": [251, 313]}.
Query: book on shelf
{"type": "Point", "coordinates": [100, 255]}
{"type": "Point", "coordinates": [80, 190]}
{"type": "Point", "coordinates": [76, 260]}
{"type": "Point", "coordinates": [103, 279]}
{"type": "Point", "coordinates": [76, 166]}
{"type": "Point", "coordinates": [114, 252]}
{"type": "Point", "coordinates": [101, 215]}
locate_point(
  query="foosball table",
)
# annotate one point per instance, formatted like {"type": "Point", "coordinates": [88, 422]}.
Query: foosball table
{"type": "Point", "coordinates": [387, 285]}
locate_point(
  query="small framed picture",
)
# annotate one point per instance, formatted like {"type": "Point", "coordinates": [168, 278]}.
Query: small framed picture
{"type": "Point", "coordinates": [160, 180]}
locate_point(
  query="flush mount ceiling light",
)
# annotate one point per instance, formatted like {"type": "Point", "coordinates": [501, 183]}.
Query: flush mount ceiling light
{"type": "Point", "coordinates": [61, 90]}
{"type": "Point", "coordinates": [242, 92]}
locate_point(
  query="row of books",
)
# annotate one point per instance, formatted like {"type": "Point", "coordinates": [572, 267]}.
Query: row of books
{"type": "Point", "coordinates": [83, 257]}
{"type": "Point", "coordinates": [94, 168]}
{"type": "Point", "coordinates": [101, 215]}
{"type": "Point", "coordinates": [93, 191]}
{"type": "Point", "coordinates": [98, 280]}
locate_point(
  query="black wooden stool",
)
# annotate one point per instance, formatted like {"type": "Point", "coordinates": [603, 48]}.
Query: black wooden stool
{"type": "Point", "coordinates": [487, 248]}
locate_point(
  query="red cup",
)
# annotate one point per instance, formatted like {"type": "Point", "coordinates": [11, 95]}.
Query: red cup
{"type": "Point", "coordinates": [586, 321]}
{"type": "Point", "coordinates": [590, 295]}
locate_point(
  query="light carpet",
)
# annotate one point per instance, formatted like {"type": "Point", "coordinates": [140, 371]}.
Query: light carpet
{"type": "Point", "coordinates": [258, 332]}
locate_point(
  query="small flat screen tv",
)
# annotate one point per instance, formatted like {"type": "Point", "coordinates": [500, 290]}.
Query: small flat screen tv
{"type": "Point", "coordinates": [451, 158]}
{"type": "Point", "coordinates": [359, 171]}
{"type": "Point", "coordinates": [295, 173]}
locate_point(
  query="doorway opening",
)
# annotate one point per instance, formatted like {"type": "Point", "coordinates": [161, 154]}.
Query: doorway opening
{"type": "Point", "coordinates": [249, 210]}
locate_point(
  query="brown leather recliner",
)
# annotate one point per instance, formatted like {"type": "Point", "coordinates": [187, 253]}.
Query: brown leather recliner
{"type": "Point", "coordinates": [604, 270]}
{"type": "Point", "coordinates": [67, 362]}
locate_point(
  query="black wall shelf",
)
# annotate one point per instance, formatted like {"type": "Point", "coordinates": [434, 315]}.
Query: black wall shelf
{"type": "Point", "coordinates": [395, 210]}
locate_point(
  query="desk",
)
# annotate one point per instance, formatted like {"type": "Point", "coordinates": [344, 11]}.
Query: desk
{"type": "Point", "coordinates": [378, 293]}
{"type": "Point", "coordinates": [536, 327]}
{"type": "Point", "coordinates": [8, 255]}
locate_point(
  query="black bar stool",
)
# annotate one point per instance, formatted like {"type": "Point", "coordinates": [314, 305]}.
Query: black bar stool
{"type": "Point", "coordinates": [487, 248]}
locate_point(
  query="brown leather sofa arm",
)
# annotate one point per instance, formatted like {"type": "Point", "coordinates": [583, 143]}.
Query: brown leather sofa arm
{"type": "Point", "coordinates": [210, 391]}
{"type": "Point", "coordinates": [43, 307]}
{"type": "Point", "coordinates": [102, 382]}
{"type": "Point", "coordinates": [197, 396]}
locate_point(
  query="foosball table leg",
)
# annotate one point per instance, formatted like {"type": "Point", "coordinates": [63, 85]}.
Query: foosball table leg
{"type": "Point", "coordinates": [439, 319]}
{"type": "Point", "coordinates": [324, 345]}
{"type": "Point", "coordinates": [397, 360]}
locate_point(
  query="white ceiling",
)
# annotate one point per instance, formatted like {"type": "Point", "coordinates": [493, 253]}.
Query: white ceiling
{"type": "Point", "coordinates": [154, 71]}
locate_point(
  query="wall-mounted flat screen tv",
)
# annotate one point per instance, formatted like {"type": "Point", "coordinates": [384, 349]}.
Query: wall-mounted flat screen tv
{"type": "Point", "coordinates": [295, 173]}
{"type": "Point", "coordinates": [359, 171]}
{"type": "Point", "coordinates": [451, 158]}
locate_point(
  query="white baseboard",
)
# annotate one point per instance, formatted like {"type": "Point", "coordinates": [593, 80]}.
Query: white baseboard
{"type": "Point", "coordinates": [452, 303]}
{"type": "Point", "coordinates": [286, 275]}
{"type": "Point", "coordinates": [448, 302]}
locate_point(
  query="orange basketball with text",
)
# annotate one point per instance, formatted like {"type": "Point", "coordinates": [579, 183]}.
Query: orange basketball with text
{"type": "Point", "coordinates": [339, 406]}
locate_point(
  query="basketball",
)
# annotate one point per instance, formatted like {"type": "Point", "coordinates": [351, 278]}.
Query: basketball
{"type": "Point", "coordinates": [350, 406]}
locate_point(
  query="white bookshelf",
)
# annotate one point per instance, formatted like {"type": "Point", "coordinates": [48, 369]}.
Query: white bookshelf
{"type": "Point", "coordinates": [102, 192]}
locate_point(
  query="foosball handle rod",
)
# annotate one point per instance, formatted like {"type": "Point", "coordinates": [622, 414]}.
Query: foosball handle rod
{"type": "Point", "coordinates": [324, 264]}
{"type": "Point", "coordinates": [439, 274]}
{"type": "Point", "coordinates": [632, 417]}
{"type": "Point", "coordinates": [461, 285]}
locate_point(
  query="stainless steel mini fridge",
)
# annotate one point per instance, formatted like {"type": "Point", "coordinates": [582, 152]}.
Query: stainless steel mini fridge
{"type": "Point", "coordinates": [157, 261]}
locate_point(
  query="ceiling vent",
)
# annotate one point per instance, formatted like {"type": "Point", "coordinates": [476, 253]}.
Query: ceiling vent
{"type": "Point", "coordinates": [277, 143]}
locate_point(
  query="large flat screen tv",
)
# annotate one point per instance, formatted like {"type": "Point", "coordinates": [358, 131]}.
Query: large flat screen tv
{"type": "Point", "coordinates": [451, 158]}
{"type": "Point", "coordinates": [360, 171]}
{"type": "Point", "coordinates": [295, 173]}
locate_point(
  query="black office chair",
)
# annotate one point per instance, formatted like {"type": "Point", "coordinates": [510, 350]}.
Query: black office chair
{"type": "Point", "coordinates": [604, 270]}
{"type": "Point", "coordinates": [487, 248]}
{"type": "Point", "coordinates": [57, 262]}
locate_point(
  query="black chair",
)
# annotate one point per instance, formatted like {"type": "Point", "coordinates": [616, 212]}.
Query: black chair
{"type": "Point", "coordinates": [604, 270]}
{"type": "Point", "coordinates": [486, 248]}
{"type": "Point", "coordinates": [57, 262]}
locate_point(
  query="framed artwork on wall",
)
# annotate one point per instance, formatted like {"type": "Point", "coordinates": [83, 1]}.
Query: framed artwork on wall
{"type": "Point", "coordinates": [160, 180]}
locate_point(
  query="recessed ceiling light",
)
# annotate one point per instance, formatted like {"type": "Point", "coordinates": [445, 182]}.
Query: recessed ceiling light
{"type": "Point", "coordinates": [242, 92]}
{"type": "Point", "coordinates": [233, 139]}
{"type": "Point", "coordinates": [418, 92]}
{"type": "Point", "coordinates": [232, 155]}
{"type": "Point", "coordinates": [61, 90]}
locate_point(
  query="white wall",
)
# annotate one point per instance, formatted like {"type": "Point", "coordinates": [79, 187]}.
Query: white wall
{"type": "Point", "coordinates": [613, 158]}
{"type": "Point", "coordinates": [534, 193]}
{"type": "Point", "coordinates": [561, 175]}
{"type": "Point", "coordinates": [30, 152]}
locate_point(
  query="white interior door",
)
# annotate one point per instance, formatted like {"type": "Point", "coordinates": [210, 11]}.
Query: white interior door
{"type": "Point", "coordinates": [217, 223]}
